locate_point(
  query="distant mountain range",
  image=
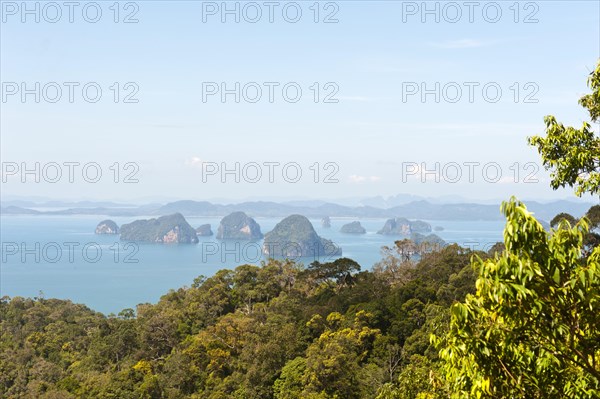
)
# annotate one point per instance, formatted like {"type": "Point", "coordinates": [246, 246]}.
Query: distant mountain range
{"type": "Point", "coordinates": [420, 209]}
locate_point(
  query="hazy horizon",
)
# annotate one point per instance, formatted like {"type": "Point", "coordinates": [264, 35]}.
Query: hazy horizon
{"type": "Point", "coordinates": [348, 201]}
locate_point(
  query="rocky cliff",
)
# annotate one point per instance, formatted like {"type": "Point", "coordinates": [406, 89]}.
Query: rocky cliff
{"type": "Point", "coordinates": [165, 229]}
{"type": "Point", "coordinates": [403, 226]}
{"type": "Point", "coordinates": [353, 228]}
{"type": "Point", "coordinates": [204, 230]}
{"type": "Point", "coordinates": [295, 237]}
{"type": "Point", "coordinates": [107, 227]}
{"type": "Point", "coordinates": [238, 226]}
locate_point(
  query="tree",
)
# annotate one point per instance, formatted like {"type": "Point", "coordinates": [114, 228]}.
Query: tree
{"type": "Point", "coordinates": [496, 248]}
{"type": "Point", "coordinates": [573, 154]}
{"type": "Point", "coordinates": [335, 360]}
{"type": "Point", "coordinates": [340, 271]}
{"type": "Point", "coordinates": [562, 216]}
{"type": "Point", "coordinates": [416, 381]}
{"type": "Point", "coordinates": [289, 384]}
{"type": "Point", "coordinates": [593, 216]}
{"type": "Point", "coordinates": [396, 263]}
{"type": "Point", "coordinates": [246, 287]}
{"type": "Point", "coordinates": [531, 330]}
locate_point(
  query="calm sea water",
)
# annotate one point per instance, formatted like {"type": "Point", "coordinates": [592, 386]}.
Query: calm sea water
{"type": "Point", "coordinates": [61, 256]}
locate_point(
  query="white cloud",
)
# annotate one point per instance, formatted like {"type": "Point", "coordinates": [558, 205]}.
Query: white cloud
{"type": "Point", "coordinates": [507, 180]}
{"type": "Point", "coordinates": [195, 162]}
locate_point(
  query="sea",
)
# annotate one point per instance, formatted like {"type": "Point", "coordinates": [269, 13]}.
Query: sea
{"type": "Point", "coordinates": [55, 256]}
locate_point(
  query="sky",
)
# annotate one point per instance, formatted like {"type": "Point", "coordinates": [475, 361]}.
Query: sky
{"type": "Point", "coordinates": [357, 98]}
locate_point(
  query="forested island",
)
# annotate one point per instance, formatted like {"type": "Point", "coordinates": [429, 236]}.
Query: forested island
{"type": "Point", "coordinates": [204, 231]}
{"type": "Point", "coordinates": [165, 229]}
{"type": "Point", "coordinates": [107, 227]}
{"type": "Point", "coordinates": [403, 226]}
{"type": "Point", "coordinates": [239, 226]}
{"type": "Point", "coordinates": [353, 228]}
{"type": "Point", "coordinates": [295, 237]}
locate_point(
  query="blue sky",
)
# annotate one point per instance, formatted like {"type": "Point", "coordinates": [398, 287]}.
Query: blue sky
{"type": "Point", "coordinates": [376, 50]}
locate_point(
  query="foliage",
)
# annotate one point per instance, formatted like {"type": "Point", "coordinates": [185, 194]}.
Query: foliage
{"type": "Point", "coordinates": [531, 330]}
{"type": "Point", "coordinates": [573, 154]}
{"type": "Point", "coordinates": [556, 220]}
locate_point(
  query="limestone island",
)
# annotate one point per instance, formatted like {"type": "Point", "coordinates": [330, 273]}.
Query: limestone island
{"type": "Point", "coordinates": [403, 226]}
{"type": "Point", "coordinates": [204, 231]}
{"type": "Point", "coordinates": [432, 239]}
{"type": "Point", "coordinates": [107, 227]}
{"type": "Point", "coordinates": [353, 228]}
{"type": "Point", "coordinates": [326, 222]}
{"type": "Point", "coordinates": [171, 229]}
{"type": "Point", "coordinates": [238, 226]}
{"type": "Point", "coordinates": [296, 237]}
